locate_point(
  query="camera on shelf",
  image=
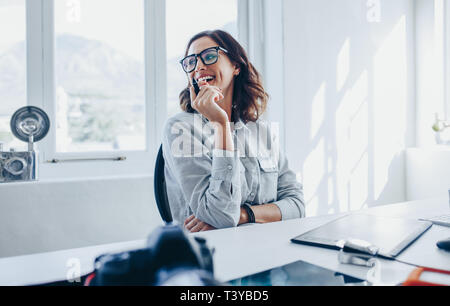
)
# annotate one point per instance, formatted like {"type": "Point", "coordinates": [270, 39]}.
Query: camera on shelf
{"type": "Point", "coordinates": [170, 258]}
{"type": "Point", "coordinates": [17, 166]}
{"type": "Point", "coordinates": [29, 124]}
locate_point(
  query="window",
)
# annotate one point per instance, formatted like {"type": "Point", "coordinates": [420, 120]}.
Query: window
{"type": "Point", "coordinates": [447, 58]}
{"type": "Point", "coordinates": [184, 19]}
{"type": "Point", "coordinates": [100, 75]}
{"type": "Point", "coordinates": [13, 76]}
{"type": "Point", "coordinates": [98, 68]}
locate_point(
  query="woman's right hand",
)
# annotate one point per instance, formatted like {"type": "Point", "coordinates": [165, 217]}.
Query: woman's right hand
{"type": "Point", "coordinates": [193, 225]}
{"type": "Point", "coordinates": [206, 103]}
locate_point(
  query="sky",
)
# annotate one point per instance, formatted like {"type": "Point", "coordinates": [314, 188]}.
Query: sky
{"type": "Point", "coordinates": [186, 18]}
{"type": "Point", "coordinates": [120, 23]}
{"type": "Point", "coordinates": [12, 22]}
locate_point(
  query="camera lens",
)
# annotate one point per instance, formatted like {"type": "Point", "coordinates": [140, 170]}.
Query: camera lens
{"type": "Point", "coordinates": [16, 166]}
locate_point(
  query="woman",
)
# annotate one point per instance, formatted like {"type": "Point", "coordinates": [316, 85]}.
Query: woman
{"type": "Point", "coordinates": [223, 167]}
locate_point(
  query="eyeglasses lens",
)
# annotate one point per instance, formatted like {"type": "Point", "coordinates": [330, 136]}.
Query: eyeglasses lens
{"type": "Point", "coordinates": [189, 63]}
{"type": "Point", "coordinates": [209, 57]}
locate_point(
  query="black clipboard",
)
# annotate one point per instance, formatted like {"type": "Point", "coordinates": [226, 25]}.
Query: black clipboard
{"type": "Point", "coordinates": [391, 235]}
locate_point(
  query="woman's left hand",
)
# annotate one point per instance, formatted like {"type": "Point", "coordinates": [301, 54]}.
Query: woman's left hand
{"type": "Point", "coordinates": [195, 225]}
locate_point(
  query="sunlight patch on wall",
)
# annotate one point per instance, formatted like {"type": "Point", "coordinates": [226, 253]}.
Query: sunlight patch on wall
{"type": "Point", "coordinates": [318, 110]}
{"type": "Point", "coordinates": [352, 134]}
{"type": "Point", "coordinates": [359, 184]}
{"type": "Point", "coordinates": [331, 199]}
{"type": "Point", "coordinates": [343, 65]}
{"type": "Point", "coordinates": [313, 174]}
{"type": "Point", "coordinates": [389, 105]}
{"type": "Point", "coordinates": [437, 80]}
{"type": "Point", "coordinates": [312, 206]}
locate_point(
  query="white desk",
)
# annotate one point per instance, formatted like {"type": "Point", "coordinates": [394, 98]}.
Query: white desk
{"type": "Point", "coordinates": [255, 248]}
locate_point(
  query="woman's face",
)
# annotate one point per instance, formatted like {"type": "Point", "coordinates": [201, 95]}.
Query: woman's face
{"type": "Point", "coordinates": [220, 74]}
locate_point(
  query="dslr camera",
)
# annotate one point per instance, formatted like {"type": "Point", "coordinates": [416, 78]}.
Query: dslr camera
{"type": "Point", "coordinates": [29, 124]}
{"type": "Point", "coordinates": [17, 166]}
{"type": "Point", "coordinates": [170, 258]}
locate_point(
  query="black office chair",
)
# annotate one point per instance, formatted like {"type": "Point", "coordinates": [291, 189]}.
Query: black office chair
{"type": "Point", "coordinates": [160, 189]}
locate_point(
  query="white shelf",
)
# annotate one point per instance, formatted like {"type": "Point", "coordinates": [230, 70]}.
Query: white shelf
{"type": "Point", "coordinates": [427, 172]}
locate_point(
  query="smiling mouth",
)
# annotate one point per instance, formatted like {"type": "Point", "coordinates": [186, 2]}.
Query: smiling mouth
{"type": "Point", "coordinates": [206, 79]}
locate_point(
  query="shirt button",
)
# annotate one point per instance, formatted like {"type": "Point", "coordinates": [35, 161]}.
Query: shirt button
{"type": "Point", "coordinates": [252, 194]}
{"type": "Point", "coordinates": [230, 167]}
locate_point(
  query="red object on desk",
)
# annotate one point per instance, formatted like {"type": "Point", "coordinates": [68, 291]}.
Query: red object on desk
{"type": "Point", "coordinates": [89, 278]}
{"type": "Point", "coordinates": [414, 277]}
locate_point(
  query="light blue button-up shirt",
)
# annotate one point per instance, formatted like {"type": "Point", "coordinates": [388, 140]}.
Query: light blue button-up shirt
{"type": "Point", "coordinates": [213, 184]}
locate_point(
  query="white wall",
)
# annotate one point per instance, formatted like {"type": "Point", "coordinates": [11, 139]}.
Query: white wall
{"type": "Point", "coordinates": [349, 91]}
{"type": "Point", "coordinates": [430, 67]}
{"type": "Point", "coordinates": [428, 174]}
{"type": "Point", "coordinates": [46, 216]}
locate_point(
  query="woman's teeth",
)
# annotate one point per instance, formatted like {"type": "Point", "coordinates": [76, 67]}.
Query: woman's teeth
{"type": "Point", "coordinates": [205, 79]}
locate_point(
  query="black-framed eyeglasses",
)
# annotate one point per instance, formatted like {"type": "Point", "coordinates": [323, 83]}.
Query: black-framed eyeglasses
{"type": "Point", "coordinates": [208, 56]}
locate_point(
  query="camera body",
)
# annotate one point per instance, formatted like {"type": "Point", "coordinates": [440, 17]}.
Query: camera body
{"type": "Point", "coordinates": [29, 124]}
{"type": "Point", "coordinates": [170, 258]}
{"type": "Point", "coordinates": [18, 166]}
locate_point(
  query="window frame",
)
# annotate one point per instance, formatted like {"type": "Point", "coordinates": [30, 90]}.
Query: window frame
{"type": "Point", "coordinates": [41, 92]}
{"type": "Point", "coordinates": [446, 60]}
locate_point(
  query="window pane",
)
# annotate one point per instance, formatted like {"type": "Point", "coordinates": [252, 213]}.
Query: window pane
{"type": "Point", "coordinates": [13, 76]}
{"type": "Point", "coordinates": [100, 78]}
{"type": "Point", "coordinates": [185, 19]}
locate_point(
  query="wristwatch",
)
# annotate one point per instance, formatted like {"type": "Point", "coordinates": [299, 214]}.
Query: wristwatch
{"type": "Point", "coordinates": [251, 215]}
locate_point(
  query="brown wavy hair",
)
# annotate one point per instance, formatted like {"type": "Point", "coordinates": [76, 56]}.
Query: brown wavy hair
{"type": "Point", "coordinates": [249, 97]}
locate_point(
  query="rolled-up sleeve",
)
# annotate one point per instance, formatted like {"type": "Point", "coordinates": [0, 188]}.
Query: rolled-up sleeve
{"type": "Point", "coordinates": [290, 198]}
{"type": "Point", "coordinates": [209, 180]}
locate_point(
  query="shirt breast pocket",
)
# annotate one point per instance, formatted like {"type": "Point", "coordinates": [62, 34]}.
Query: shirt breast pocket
{"type": "Point", "coordinates": [268, 180]}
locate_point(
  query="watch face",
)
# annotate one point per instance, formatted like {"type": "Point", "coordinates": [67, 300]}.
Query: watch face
{"type": "Point", "coordinates": [30, 121]}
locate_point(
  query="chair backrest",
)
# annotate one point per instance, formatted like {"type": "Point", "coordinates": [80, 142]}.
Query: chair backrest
{"type": "Point", "coordinates": [160, 189]}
